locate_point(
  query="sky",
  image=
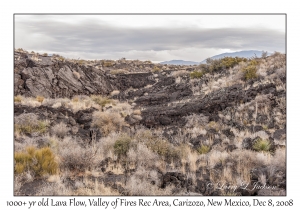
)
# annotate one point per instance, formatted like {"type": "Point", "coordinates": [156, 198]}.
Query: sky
{"type": "Point", "coordinates": [148, 37]}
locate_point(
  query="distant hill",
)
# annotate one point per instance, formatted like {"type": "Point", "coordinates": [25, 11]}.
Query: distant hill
{"type": "Point", "coordinates": [245, 54]}
{"type": "Point", "coordinates": [180, 62]}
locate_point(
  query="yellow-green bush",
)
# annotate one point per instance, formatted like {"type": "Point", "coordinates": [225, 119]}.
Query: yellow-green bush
{"type": "Point", "coordinates": [262, 145]}
{"type": "Point", "coordinates": [164, 149]}
{"type": "Point", "coordinates": [40, 161]}
{"type": "Point", "coordinates": [250, 70]}
{"type": "Point", "coordinates": [122, 145]}
{"type": "Point", "coordinates": [17, 99]}
{"type": "Point", "coordinates": [229, 62]}
{"type": "Point", "coordinates": [203, 149]}
{"type": "Point", "coordinates": [222, 63]}
{"type": "Point", "coordinates": [156, 69]}
{"type": "Point", "coordinates": [196, 74]}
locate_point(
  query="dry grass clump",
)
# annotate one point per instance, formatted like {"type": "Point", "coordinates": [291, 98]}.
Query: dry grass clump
{"type": "Point", "coordinates": [196, 120]}
{"type": "Point", "coordinates": [123, 109]}
{"type": "Point", "coordinates": [29, 123]}
{"type": "Point", "coordinates": [18, 99]}
{"type": "Point", "coordinates": [91, 188]}
{"type": "Point", "coordinates": [279, 158]}
{"type": "Point", "coordinates": [179, 73]}
{"type": "Point", "coordinates": [239, 164]}
{"type": "Point", "coordinates": [29, 101]}
{"type": "Point", "coordinates": [60, 130]}
{"type": "Point", "coordinates": [118, 71]}
{"type": "Point", "coordinates": [75, 157]}
{"type": "Point", "coordinates": [141, 155]}
{"type": "Point", "coordinates": [106, 144]}
{"type": "Point", "coordinates": [102, 101]}
{"type": "Point", "coordinates": [40, 161]}
{"type": "Point", "coordinates": [138, 186]}
{"type": "Point", "coordinates": [107, 63]}
{"type": "Point", "coordinates": [40, 99]}
{"type": "Point", "coordinates": [108, 122]}
{"type": "Point", "coordinates": [81, 62]}
{"type": "Point", "coordinates": [77, 103]}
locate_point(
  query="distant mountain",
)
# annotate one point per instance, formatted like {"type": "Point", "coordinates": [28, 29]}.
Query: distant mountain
{"type": "Point", "coordinates": [245, 54]}
{"type": "Point", "coordinates": [180, 62]}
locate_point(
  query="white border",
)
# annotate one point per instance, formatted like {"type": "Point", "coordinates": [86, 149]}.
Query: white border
{"type": "Point", "coordinates": [230, 6]}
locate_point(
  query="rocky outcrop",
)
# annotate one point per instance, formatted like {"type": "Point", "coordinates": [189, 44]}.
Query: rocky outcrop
{"type": "Point", "coordinates": [209, 105]}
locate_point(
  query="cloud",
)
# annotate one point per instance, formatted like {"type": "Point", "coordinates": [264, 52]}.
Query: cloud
{"type": "Point", "coordinates": [87, 37]}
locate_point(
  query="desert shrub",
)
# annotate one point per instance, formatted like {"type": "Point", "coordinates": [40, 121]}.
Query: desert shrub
{"type": "Point", "coordinates": [158, 145]}
{"type": "Point", "coordinates": [107, 64]}
{"type": "Point", "coordinates": [75, 99]}
{"type": "Point", "coordinates": [18, 99]}
{"type": "Point", "coordinates": [122, 145]}
{"type": "Point", "coordinates": [262, 145]}
{"type": "Point", "coordinates": [138, 186]}
{"type": "Point", "coordinates": [88, 187]}
{"type": "Point", "coordinates": [229, 62]}
{"type": "Point", "coordinates": [164, 149]}
{"type": "Point", "coordinates": [76, 157]}
{"type": "Point", "coordinates": [29, 123]}
{"type": "Point", "coordinates": [156, 69]}
{"type": "Point", "coordinates": [195, 119]}
{"type": "Point", "coordinates": [108, 122]}
{"type": "Point", "coordinates": [196, 74]}
{"type": "Point", "coordinates": [80, 62]}
{"type": "Point", "coordinates": [102, 101]}
{"type": "Point", "coordinates": [220, 64]}
{"type": "Point", "coordinates": [40, 99]}
{"type": "Point", "coordinates": [40, 161]}
{"type": "Point", "coordinates": [60, 129]}
{"type": "Point", "coordinates": [60, 58]}
{"type": "Point", "coordinates": [141, 154]}
{"type": "Point", "coordinates": [250, 70]}
{"type": "Point", "coordinates": [204, 149]}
